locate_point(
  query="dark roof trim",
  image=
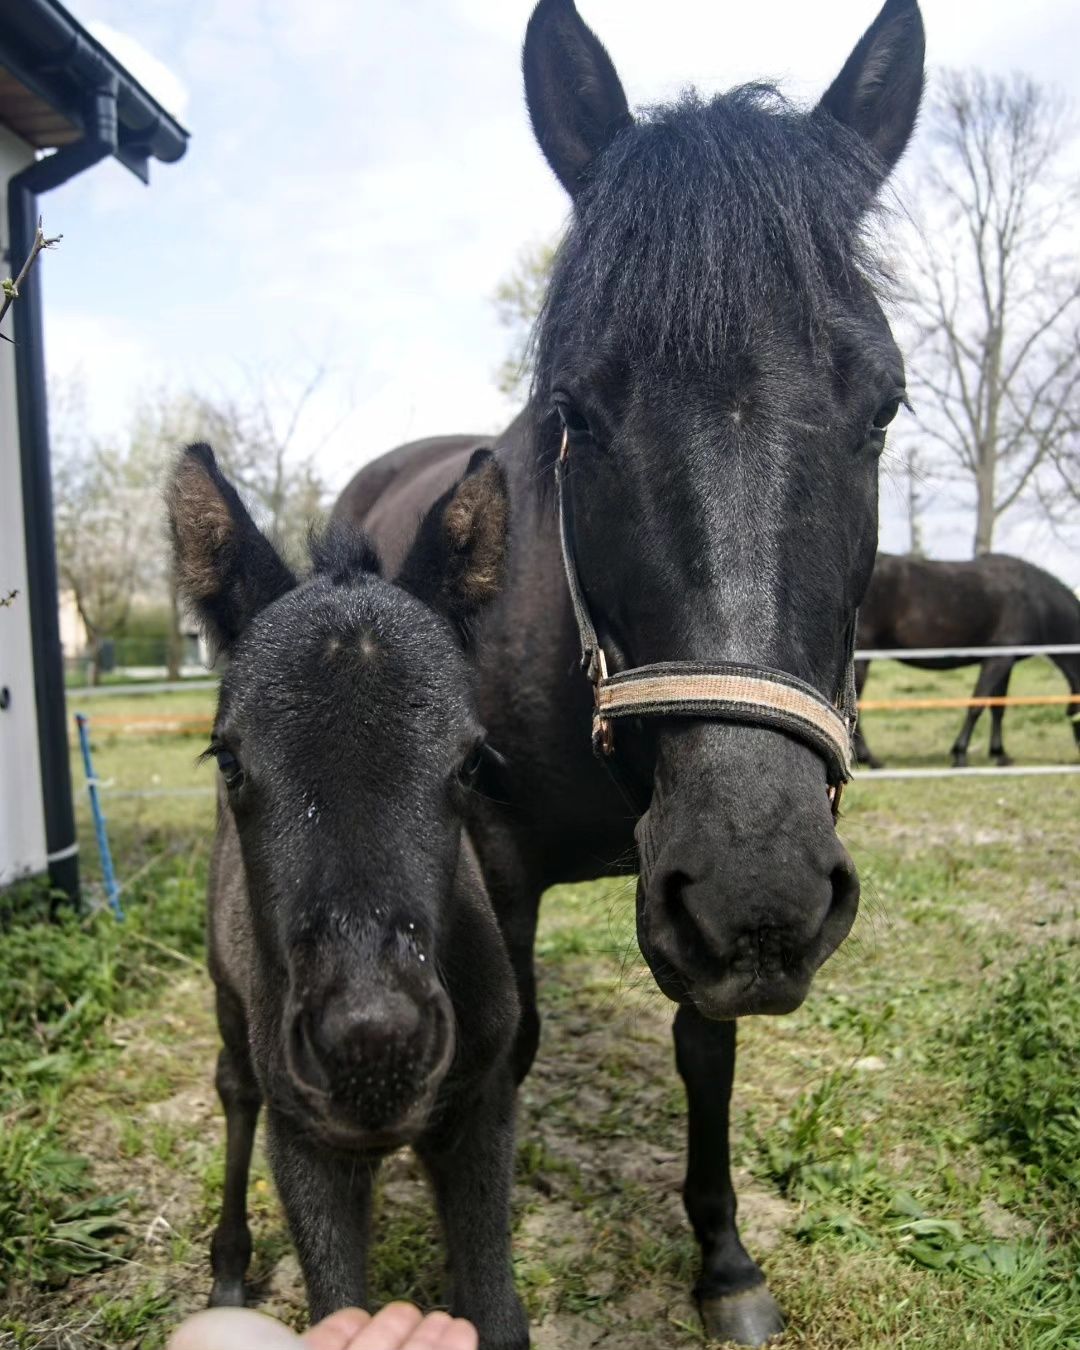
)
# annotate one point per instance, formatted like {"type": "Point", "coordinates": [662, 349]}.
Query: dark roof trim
{"type": "Point", "coordinates": [55, 57]}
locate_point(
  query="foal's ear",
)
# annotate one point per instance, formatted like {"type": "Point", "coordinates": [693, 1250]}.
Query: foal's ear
{"type": "Point", "coordinates": [576, 102]}
{"type": "Point", "coordinates": [878, 91]}
{"type": "Point", "coordinates": [458, 559]}
{"type": "Point", "coordinates": [225, 567]}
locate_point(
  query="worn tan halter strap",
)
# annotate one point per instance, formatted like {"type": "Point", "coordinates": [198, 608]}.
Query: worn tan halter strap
{"type": "Point", "coordinates": [728, 691]}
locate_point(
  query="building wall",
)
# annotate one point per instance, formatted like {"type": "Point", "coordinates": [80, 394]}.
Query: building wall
{"type": "Point", "coordinates": [22, 820]}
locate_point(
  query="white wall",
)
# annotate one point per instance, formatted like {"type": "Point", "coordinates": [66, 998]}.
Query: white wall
{"type": "Point", "coordinates": [22, 821]}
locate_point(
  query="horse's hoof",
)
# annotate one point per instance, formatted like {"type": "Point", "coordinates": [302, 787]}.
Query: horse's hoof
{"type": "Point", "coordinates": [959, 761]}
{"type": "Point", "coordinates": [874, 763]}
{"type": "Point", "coordinates": [1003, 760]}
{"type": "Point", "coordinates": [751, 1317]}
{"type": "Point", "coordinates": [226, 1294]}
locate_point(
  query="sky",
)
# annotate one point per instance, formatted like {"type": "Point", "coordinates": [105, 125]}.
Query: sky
{"type": "Point", "coordinates": [361, 175]}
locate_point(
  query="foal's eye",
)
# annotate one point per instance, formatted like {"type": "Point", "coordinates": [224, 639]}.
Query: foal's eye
{"type": "Point", "coordinates": [232, 770]}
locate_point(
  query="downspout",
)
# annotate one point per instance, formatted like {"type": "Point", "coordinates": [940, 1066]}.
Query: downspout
{"type": "Point", "coordinates": [99, 142]}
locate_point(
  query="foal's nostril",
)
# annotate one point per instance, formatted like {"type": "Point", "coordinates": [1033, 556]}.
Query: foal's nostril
{"type": "Point", "coordinates": [304, 1058]}
{"type": "Point", "coordinates": [845, 891]}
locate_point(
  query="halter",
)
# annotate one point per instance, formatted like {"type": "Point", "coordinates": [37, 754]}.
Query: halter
{"type": "Point", "coordinates": [728, 691]}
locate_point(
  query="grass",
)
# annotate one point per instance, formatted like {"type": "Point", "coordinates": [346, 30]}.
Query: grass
{"type": "Point", "coordinates": [905, 1144]}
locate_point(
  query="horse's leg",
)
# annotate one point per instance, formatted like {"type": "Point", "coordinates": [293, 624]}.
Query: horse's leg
{"type": "Point", "coordinates": [471, 1165]}
{"type": "Point", "coordinates": [327, 1201]}
{"type": "Point", "coordinates": [230, 1247]}
{"type": "Point", "coordinates": [863, 753]}
{"type": "Point", "coordinates": [735, 1302]}
{"type": "Point", "coordinates": [997, 717]}
{"type": "Point", "coordinates": [515, 889]}
{"type": "Point", "coordinates": [991, 674]}
{"type": "Point", "coordinates": [1069, 666]}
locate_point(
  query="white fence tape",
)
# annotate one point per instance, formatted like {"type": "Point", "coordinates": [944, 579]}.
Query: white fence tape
{"type": "Point", "coordinates": [974, 653]}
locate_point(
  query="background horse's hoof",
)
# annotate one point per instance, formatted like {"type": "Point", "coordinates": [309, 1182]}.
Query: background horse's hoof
{"type": "Point", "coordinates": [1003, 761]}
{"type": "Point", "coordinates": [749, 1318]}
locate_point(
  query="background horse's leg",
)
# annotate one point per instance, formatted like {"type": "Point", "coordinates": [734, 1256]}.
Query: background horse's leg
{"type": "Point", "coordinates": [230, 1247]}
{"type": "Point", "coordinates": [1070, 668]}
{"type": "Point", "coordinates": [993, 676]}
{"type": "Point", "coordinates": [735, 1302]}
{"type": "Point", "coordinates": [863, 753]}
{"type": "Point", "coordinates": [997, 717]}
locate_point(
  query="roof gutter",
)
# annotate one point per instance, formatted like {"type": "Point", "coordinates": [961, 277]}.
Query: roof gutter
{"type": "Point", "coordinates": [99, 143]}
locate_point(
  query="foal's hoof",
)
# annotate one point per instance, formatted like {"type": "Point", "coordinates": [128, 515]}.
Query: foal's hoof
{"type": "Point", "coordinates": [1003, 761]}
{"type": "Point", "coordinates": [226, 1294]}
{"type": "Point", "coordinates": [959, 761]}
{"type": "Point", "coordinates": [751, 1317]}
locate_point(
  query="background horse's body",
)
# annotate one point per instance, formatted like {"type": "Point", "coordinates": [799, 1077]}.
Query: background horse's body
{"type": "Point", "coordinates": [990, 601]}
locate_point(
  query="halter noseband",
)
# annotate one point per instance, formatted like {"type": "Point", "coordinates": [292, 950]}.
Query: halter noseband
{"type": "Point", "coordinates": [728, 691]}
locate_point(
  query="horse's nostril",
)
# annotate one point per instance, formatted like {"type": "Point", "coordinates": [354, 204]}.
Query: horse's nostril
{"type": "Point", "coordinates": [690, 942]}
{"type": "Point", "coordinates": [845, 888]}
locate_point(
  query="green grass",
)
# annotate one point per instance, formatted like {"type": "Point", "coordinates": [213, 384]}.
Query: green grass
{"type": "Point", "coordinates": [905, 1143]}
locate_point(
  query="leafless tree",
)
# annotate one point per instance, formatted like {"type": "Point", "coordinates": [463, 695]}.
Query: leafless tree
{"type": "Point", "coordinates": [518, 298]}
{"type": "Point", "coordinates": [996, 367]}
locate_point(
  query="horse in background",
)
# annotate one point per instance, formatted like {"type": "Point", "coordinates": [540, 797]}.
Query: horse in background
{"type": "Point", "coordinates": [990, 601]}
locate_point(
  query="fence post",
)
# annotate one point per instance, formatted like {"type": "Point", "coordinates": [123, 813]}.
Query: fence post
{"type": "Point", "coordinates": [112, 890]}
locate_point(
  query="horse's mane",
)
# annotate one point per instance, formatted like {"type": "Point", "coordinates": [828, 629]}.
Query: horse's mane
{"type": "Point", "coordinates": [699, 214]}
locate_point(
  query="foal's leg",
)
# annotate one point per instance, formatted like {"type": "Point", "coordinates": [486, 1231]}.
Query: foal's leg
{"type": "Point", "coordinates": [993, 673]}
{"type": "Point", "coordinates": [735, 1303]}
{"type": "Point", "coordinates": [230, 1247]}
{"type": "Point", "coordinates": [471, 1164]}
{"type": "Point", "coordinates": [327, 1201]}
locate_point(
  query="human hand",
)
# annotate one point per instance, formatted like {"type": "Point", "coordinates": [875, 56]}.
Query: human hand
{"type": "Point", "coordinates": [398, 1326]}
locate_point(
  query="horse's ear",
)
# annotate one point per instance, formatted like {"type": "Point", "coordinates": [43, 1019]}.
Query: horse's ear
{"type": "Point", "coordinates": [225, 568]}
{"type": "Point", "coordinates": [576, 102]}
{"type": "Point", "coordinates": [458, 560]}
{"type": "Point", "coordinates": [878, 91]}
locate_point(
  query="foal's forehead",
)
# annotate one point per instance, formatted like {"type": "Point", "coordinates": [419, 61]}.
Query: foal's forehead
{"type": "Point", "coordinates": [365, 646]}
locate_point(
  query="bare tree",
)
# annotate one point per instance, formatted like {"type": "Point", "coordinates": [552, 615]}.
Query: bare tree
{"type": "Point", "coordinates": [518, 298]}
{"type": "Point", "coordinates": [996, 368]}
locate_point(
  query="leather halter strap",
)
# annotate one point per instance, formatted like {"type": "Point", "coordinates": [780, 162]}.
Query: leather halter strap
{"type": "Point", "coordinates": [727, 691]}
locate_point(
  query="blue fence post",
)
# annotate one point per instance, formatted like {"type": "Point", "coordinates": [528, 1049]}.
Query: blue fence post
{"type": "Point", "coordinates": [112, 890]}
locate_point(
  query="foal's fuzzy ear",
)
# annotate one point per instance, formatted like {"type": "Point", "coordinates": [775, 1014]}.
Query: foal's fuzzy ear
{"type": "Point", "coordinates": [878, 91]}
{"type": "Point", "coordinates": [458, 560]}
{"type": "Point", "coordinates": [575, 99]}
{"type": "Point", "coordinates": [225, 567]}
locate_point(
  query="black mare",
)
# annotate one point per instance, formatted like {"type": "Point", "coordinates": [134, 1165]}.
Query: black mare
{"type": "Point", "coordinates": [990, 601]}
{"type": "Point", "coordinates": [714, 349]}
{"type": "Point", "coordinates": [364, 991]}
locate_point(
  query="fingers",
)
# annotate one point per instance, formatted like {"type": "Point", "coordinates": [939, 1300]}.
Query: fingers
{"type": "Point", "coordinates": [400, 1326]}
{"type": "Point", "coordinates": [336, 1332]}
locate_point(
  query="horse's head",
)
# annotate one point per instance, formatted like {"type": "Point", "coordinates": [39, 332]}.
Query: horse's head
{"type": "Point", "coordinates": [346, 738]}
{"type": "Point", "coordinates": [714, 348]}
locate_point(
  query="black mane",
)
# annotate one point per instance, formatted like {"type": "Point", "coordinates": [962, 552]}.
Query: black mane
{"type": "Point", "coordinates": [700, 214]}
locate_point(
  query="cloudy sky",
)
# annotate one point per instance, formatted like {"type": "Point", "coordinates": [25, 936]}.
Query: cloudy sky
{"type": "Point", "coordinates": [361, 175]}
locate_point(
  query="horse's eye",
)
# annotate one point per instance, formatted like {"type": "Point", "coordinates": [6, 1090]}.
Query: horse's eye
{"type": "Point", "coordinates": [571, 419]}
{"type": "Point", "coordinates": [886, 413]}
{"type": "Point", "coordinates": [471, 765]}
{"type": "Point", "coordinates": [231, 769]}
